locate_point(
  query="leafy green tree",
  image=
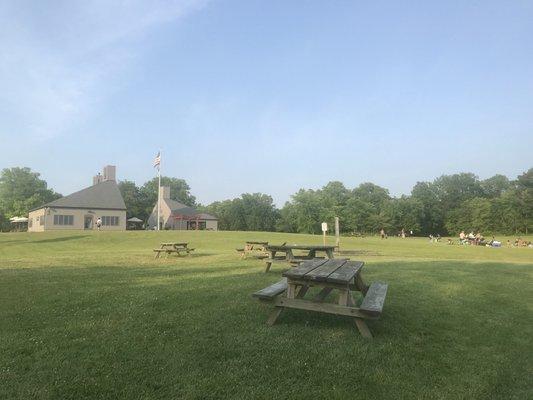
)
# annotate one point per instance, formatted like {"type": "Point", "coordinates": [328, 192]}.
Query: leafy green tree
{"type": "Point", "coordinates": [405, 213]}
{"type": "Point", "coordinates": [287, 219]}
{"type": "Point", "coordinates": [259, 212]}
{"type": "Point", "coordinates": [373, 194]}
{"type": "Point", "coordinates": [507, 215]}
{"type": "Point", "coordinates": [474, 215]}
{"type": "Point", "coordinates": [137, 204]}
{"type": "Point", "coordinates": [493, 187]}
{"type": "Point", "coordinates": [250, 212]}
{"type": "Point", "coordinates": [452, 190]}
{"type": "Point", "coordinates": [308, 211]}
{"type": "Point", "coordinates": [524, 185]}
{"type": "Point", "coordinates": [432, 213]}
{"type": "Point", "coordinates": [22, 190]}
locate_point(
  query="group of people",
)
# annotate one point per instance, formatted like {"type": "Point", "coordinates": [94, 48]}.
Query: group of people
{"type": "Point", "coordinates": [474, 239]}
{"type": "Point", "coordinates": [519, 242]}
{"type": "Point", "coordinates": [403, 234]}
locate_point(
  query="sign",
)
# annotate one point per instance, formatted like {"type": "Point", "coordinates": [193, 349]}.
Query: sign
{"type": "Point", "coordinates": [324, 226]}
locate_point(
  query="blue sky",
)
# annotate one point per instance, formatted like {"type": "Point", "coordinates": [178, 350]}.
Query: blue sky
{"type": "Point", "coordinates": [255, 96]}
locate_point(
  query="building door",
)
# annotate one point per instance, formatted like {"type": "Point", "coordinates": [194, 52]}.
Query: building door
{"type": "Point", "coordinates": [88, 222]}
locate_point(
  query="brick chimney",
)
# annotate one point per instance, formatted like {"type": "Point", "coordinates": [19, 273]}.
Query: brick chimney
{"type": "Point", "coordinates": [110, 173]}
{"type": "Point", "coordinates": [98, 179]}
{"type": "Point", "coordinates": [164, 192]}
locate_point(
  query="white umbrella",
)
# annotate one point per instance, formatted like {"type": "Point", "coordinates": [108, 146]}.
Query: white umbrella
{"type": "Point", "coordinates": [18, 219]}
{"type": "Point", "coordinates": [135, 219]}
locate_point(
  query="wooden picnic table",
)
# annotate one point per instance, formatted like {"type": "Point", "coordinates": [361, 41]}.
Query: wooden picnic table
{"type": "Point", "coordinates": [329, 275]}
{"type": "Point", "coordinates": [255, 248]}
{"type": "Point", "coordinates": [295, 259]}
{"type": "Point", "coordinates": [173, 247]}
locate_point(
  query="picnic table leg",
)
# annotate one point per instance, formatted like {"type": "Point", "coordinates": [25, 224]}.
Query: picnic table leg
{"type": "Point", "coordinates": [363, 328]}
{"type": "Point", "coordinates": [311, 254]}
{"type": "Point", "coordinates": [329, 253]}
{"type": "Point", "coordinates": [360, 323]}
{"type": "Point", "coordinates": [360, 285]}
{"type": "Point", "coordinates": [274, 316]}
{"type": "Point", "coordinates": [269, 263]}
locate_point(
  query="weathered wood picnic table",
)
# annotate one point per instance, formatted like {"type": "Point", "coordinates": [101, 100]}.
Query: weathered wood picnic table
{"type": "Point", "coordinates": [254, 248]}
{"type": "Point", "coordinates": [173, 247]}
{"type": "Point", "coordinates": [327, 274]}
{"type": "Point", "coordinates": [295, 259]}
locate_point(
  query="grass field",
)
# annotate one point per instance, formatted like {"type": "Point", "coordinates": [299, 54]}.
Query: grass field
{"type": "Point", "coordinates": [93, 315]}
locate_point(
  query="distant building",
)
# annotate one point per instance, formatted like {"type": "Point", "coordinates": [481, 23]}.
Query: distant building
{"type": "Point", "coordinates": [178, 216]}
{"type": "Point", "coordinates": [81, 210]}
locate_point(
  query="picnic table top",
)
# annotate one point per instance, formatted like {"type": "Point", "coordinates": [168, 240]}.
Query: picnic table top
{"type": "Point", "coordinates": [336, 271]}
{"type": "Point", "coordinates": [175, 244]}
{"type": "Point", "coordinates": [255, 242]}
{"type": "Point", "coordinates": [300, 247]}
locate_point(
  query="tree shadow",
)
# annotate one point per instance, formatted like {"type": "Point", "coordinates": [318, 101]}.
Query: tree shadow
{"type": "Point", "coordinates": [60, 239]}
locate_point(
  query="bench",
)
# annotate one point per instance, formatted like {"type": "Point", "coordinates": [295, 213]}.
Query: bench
{"type": "Point", "coordinates": [178, 251]}
{"type": "Point", "coordinates": [270, 292]}
{"type": "Point", "coordinates": [374, 298]}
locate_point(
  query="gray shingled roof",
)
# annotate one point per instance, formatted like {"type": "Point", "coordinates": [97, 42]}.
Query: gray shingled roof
{"type": "Point", "coordinates": [104, 195]}
{"type": "Point", "coordinates": [178, 208]}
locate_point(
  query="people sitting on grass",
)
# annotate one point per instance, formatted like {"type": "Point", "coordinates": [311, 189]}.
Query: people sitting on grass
{"type": "Point", "coordinates": [434, 238]}
{"type": "Point", "coordinates": [522, 243]}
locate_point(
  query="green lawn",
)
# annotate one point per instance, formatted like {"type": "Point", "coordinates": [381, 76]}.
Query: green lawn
{"type": "Point", "coordinates": [93, 315]}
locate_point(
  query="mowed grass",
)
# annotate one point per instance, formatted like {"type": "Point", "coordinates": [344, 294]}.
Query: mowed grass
{"type": "Point", "coordinates": [95, 316]}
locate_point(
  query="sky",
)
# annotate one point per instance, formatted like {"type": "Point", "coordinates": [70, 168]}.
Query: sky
{"type": "Point", "coordinates": [266, 96]}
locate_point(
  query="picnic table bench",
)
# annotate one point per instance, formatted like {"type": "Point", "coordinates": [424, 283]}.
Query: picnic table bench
{"type": "Point", "coordinates": [327, 274]}
{"type": "Point", "coordinates": [290, 257]}
{"type": "Point", "coordinates": [255, 248]}
{"type": "Point", "coordinates": [173, 247]}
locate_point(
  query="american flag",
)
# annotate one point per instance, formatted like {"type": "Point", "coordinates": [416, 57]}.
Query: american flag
{"type": "Point", "coordinates": [157, 160]}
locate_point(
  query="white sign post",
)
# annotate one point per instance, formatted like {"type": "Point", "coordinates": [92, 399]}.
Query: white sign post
{"type": "Point", "coordinates": [337, 234]}
{"type": "Point", "coordinates": [324, 230]}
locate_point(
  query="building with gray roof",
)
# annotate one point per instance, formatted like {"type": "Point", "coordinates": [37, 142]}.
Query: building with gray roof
{"type": "Point", "coordinates": [177, 216]}
{"type": "Point", "coordinates": [100, 204]}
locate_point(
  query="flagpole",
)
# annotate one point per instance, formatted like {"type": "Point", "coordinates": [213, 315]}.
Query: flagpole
{"type": "Point", "coordinates": [159, 192]}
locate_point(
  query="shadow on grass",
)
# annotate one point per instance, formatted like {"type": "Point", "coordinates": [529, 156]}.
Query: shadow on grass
{"type": "Point", "coordinates": [60, 239]}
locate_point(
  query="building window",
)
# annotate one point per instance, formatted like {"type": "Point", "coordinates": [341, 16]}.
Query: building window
{"type": "Point", "coordinates": [63, 219]}
{"type": "Point", "coordinates": [41, 220]}
{"type": "Point", "coordinates": [109, 221]}
{"type": "Point", "coordinates": [30, 222]}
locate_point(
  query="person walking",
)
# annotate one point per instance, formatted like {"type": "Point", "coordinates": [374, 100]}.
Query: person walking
{"type": "Point", "coordinates": [382, 233]}
{"type": "Point", "coordinates": [98, 223]}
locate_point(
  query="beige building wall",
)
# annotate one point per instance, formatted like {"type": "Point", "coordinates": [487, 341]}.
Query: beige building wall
{"type": "Point", "coordinates": [211, 225]}
{"type": "Point", "coordinates": [79, 216]}
{"type": "Point", "coordinates": [34, 221]}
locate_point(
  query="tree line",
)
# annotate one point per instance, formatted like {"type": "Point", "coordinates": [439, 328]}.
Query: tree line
{"type": "Point", "coordinates": [445, 206]}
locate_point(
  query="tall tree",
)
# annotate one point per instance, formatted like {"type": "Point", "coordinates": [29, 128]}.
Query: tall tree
{"type": "Point", "coordinates": [21, 189]}
{"type": "Point", "coordinates": [494, 186]}
{"type": "Point", "coordinates": [432, 213]}
{"type": "Point", "coordinates": [524, 185]}
{"type": "Point", "coordinates": [137, 204]}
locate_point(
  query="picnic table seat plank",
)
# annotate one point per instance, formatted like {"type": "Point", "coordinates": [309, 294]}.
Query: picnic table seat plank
{"type": "Point", "coordinates": [346, 273]}
{"type": "Point", "coordinates": [322, 272]}
{"type": "Point", "coordinates": [304, 268]}
{"type": "Point", "coordinates": [375, 297]}
{"type": "Point", "coordinates": [272, 291]}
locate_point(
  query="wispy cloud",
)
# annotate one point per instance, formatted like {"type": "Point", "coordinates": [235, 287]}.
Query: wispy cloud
{"type": "Point", "coordinates": [58, 60]}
